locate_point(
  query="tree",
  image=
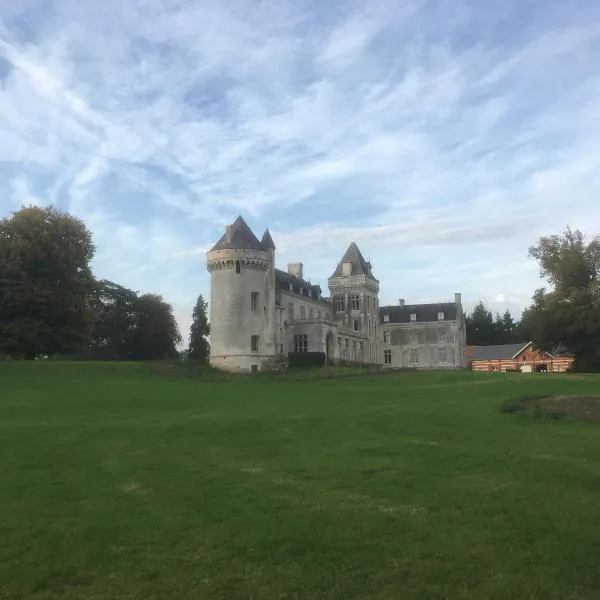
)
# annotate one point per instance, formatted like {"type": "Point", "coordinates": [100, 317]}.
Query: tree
{"type": "Point", "coordinates": [45, 283]}
{"type": "Point", "coordinates": [115, 314]}
{"type": "Point", "coordinates": [567, 317]}
{"type": "Point", "coordinates": [480, 326]}
{"type": "Point", "coordinates": [505, 328]}
{"type": "Point", "coordinates": [199, 348]}
{"type": "Point", "coordinates": [155, 334]}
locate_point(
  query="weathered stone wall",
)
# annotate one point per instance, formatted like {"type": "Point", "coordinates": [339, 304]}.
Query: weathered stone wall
{"type": "Point", "coordinates": [437, 345]}
{"type": "Point", "coordinates": [233, 322]}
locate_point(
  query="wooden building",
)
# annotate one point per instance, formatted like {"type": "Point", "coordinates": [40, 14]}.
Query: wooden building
{"type": "Point", "coordinates": [524, 357]}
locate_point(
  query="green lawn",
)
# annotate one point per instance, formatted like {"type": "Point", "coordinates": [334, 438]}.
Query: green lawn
{"type": "Point", "coordinates": [117, 482]}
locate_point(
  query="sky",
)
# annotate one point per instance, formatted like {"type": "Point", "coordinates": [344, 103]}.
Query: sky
{"type": "Point", "coordinates": [444, 137]}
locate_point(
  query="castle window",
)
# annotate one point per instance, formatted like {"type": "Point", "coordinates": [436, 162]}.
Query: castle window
{"type": "Point", "coordinates": [386, 318]}
{"type": "Point", "coordinates": [413, 316]}
{"type": "Point", "coordinates": [290, 312]}
{"type": "Point", "coordinates": [254, 301]}
{"type": "Point", "coordinates": [413, 336]}
{"type": "Point", "coordinates": [386, 337]}
{"type": "Point", "coordinates": [354, 303]}
{"type": "Point", "coordinates": [339, 304]}
{"type": "Point", "coordinates": [414, 357]}
{"type": "Point", "coordinates": [237, 267]}
{"type": "Point", "coordinates": [387, 357]}
{"type": "Point", "coordinates": [442, 337]}
{"type": "Point", "coordinates": [310, 313]}
{"type": "Point", "coordinates": [301, 342]}
{"type": "Point", "coordinates": [442, 355]}
{"type": "Point", "coordinates": [354, 349]}
{"type": "Point", "coordinates": [440, 316]}
{"type": "Point", "coordinates": [254, 341]}
{"type": "Point", "coordinates": [355, 324]}
{"type": "Point", "coordinates": [303, 312]}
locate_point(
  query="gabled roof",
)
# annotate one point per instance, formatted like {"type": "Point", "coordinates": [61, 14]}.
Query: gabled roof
{"type": "Point", "coordinates": [241, 238]}
{"type": "Point", "coordinates": [267, 241]}
{"type": "Point", "coordinates": [359, 265]}
{"type": "Point", "coordinates": [425, 312]}
{"type": "Point", "coordinates": [499, 352]}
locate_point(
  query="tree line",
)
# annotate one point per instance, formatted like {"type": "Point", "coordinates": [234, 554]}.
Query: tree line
{"type": "Point", "coordinates": [52, 305]}
{"type": "Point", "coordinates": [562, 319]}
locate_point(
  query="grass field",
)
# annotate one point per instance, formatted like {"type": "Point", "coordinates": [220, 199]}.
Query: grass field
{"type": "Point", "coordinates": [118, 482]}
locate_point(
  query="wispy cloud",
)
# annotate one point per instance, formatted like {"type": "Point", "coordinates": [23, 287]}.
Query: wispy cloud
{"type": "Point", "coordinates": [443, 137]}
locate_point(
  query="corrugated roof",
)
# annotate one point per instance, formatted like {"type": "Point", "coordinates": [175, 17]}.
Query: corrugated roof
{"type": "Point", "coordinates": [425, 312]}
{"type": "Point", "coordinates": [498, 352]}
{"type": "Point", "coordinates": [359, 265]}
{"type": "Point", "coordinates": [241, 238]}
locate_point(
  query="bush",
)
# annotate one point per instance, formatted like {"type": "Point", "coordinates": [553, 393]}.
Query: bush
{"type": "Point", "coordinates": [306, 359]}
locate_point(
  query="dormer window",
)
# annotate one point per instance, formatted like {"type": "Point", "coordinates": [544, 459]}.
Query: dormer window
{"type": "Point", "coordinates": [440, 316]}
{"type": "Point", "coordinates": [413, 316]}
{"type": "Point", "coordinates": [346, 269]}
{"type": "Point", "coordinates": [386, 318]}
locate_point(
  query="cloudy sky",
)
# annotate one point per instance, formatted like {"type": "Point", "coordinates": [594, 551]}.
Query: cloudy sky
{"type": "Point", "coordinates": [444, 136]}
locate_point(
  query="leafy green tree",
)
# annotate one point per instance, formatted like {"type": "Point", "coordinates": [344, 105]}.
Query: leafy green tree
{"type": "Point", "coordinates": [155, 335]}
{"type": "Point", "coordinates": [200, 329]}
{"type": "Point", "coordinates": [567, 317]}
{"type": "Point", "coordinates": [45, 283]}
{"type": "Point", "coordinates": [115, 309]}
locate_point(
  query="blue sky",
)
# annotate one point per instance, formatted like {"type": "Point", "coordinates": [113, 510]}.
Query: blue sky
{"type": "Point", "coordinates": [444, 137]}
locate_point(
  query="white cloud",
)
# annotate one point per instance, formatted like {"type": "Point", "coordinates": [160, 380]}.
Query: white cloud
{"type": "Point", "coordinates": [440, 140]}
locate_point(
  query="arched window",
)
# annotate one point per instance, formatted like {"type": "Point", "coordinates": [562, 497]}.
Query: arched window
{"type": "Point", "coordinates": [237, 267]}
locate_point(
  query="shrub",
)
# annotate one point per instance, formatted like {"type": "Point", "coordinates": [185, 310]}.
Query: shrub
{"type": "Point", "coordinates": [306, 359]}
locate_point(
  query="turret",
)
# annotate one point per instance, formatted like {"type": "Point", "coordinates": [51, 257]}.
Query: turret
{"type": "Point", "coordinates": [242, 307]}
{"type": "Point", "coordinates": [354, 291]}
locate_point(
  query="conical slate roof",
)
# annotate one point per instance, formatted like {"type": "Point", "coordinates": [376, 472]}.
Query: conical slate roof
{"type": "Point", "coordinates": [359, 265]}
{"type": "Point", "coordinates": [239, 238]}
{"type": "Point", "coordinates": [267, 241]}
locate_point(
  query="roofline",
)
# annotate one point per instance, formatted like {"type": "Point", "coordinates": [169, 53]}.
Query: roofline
{"type": "Point", "coordinates": [521, 349]}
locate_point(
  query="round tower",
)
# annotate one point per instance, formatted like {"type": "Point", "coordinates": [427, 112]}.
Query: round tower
{"type": "Point", "coordinates": [242, 306]}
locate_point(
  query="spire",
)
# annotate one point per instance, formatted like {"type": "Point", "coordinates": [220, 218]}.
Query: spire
{"type": "Point", "coordinates": [238, 236]}
{"type": "Point", "coordinates": [267, 241]}
{"type": "Point", "coordinates": [355, 264]}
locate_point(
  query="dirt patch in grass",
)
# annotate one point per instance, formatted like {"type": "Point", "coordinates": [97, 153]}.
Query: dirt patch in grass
{"type": "Point", "coordinates": [585, 408]}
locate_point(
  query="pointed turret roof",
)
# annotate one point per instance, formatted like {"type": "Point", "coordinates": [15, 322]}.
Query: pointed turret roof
{"type": "Point", "coordinates": [359, 265]}
{"type": "Point", "coordinates": [267, 241]}
{"type": "Point", "coordinates": [239, 237]}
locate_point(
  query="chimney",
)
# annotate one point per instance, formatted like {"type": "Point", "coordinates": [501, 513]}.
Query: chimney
{"type": "Point", "coordinates": [458, 298]}
{"type": "Point", "coordinates": [296, 269]}
{"type": "Point", "coordinates": [228, 233]}
{"type": "Point", "coordinates": [401, 302]}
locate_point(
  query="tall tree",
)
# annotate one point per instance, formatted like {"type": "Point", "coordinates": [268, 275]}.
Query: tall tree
{"type": "Point", "coordinates": [199, 348]}
{"type": "Point", "coordinates": [567, 316]}
{"type": "Point", "coordinates": [45, 282]}
{"type": "Point", "coordinates": [480, 326]}
{"type": "Point", "coordinates": [115, 310]}
{"type": "Point", "coordinates": [155, 335]}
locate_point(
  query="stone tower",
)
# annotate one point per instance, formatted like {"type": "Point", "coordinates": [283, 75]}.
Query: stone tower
{"type": "Point", "coordinates": [355, 299]}
{"type": "Point", "coordinates": [242, 306]}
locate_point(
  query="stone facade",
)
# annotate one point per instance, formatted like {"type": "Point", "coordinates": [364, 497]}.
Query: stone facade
{"type": "Point", "coordinates": [258, 313]}
{"type": "Point", "coordinates": [424, 336]}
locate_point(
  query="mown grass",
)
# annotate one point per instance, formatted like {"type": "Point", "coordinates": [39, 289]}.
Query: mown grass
{"type": "Point", "coordinates": [121, 481]}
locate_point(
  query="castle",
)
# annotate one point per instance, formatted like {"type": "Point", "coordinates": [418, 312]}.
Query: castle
{"type": "Point", "coordinates": [259, 314]}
